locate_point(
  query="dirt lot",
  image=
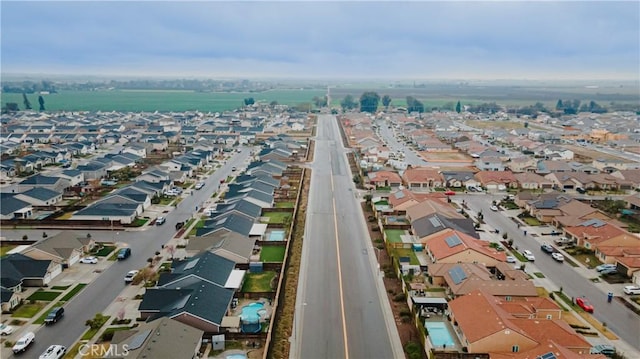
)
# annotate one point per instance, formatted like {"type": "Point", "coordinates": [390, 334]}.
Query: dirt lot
{"type": "Point", "coordinates": [592, 154]}
{"type": "Point", "coordinates": [446, 157]}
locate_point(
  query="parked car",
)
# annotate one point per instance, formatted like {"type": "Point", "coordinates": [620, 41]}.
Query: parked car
{"type": "Point", "coordinates": [89, 260]}
{"type": "Point", "coordinates": [450, 193]}
{"type": "Point", "coordinates": [5, 329]}
{"type": "Point", "coordinates": [124, 253]}
{"type": "Point", "coordinates": [233, 168]}
{"type": "Point", "coordinates": [557, 256]}
{"type": "Point", "coordinates": [179, 225]}
{"type": "Point", "coordinates": [632, 289]}
{"type": "Point", "coordinates": [608, 271]}
{"type": "Point", "coordinates": [199, 185]}
{"type": "Point", "coordinates": [160, 221]}
{"type": "Point", "coordinates": [562, 241]}
{"type": "Point", "coordinates": [24, 342]}
{"type": "Point", "coordinates": [54, 315]}
{"type": "Point", "coordinates": [494, 208]}
{"type": "Point", "coordinates": [603, 267]}
{"type": "Point", "coordinates": [53, 352]}
{"type": "Point", "coordinates": [511, 259]}
{"type": "Point", "coordinates": [547, 248]}
{"type": "Point", "coordinates": [527, 254]}
{"type": "Point", "coordinates": [604, 349]}
{"type": "Point", "coordinates": [128, 278]}
{"type": "Point", "coordinates": [584, 304]}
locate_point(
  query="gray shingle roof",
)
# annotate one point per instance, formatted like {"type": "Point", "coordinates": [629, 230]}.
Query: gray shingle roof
{"type": "Point", "coordinates": [11, 204]}
{"type": "Point", "coordinates": [41, 193]}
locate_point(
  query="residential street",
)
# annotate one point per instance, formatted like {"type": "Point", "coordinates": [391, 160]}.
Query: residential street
{"type": "Point", "coordinates": [108, 285]}
{"type": "Point", "coordinates": [341, 307]}
{"type": "Point", "coordinates": [618, 318]}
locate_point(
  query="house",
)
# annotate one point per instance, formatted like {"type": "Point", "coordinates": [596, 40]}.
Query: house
{"type": "Point", "coordinates": [489, 163]}
{"type": "Point", "coordinates": [241, 207]}
{"type": "Point", "coordinates": [430, 207]}
{"type": "Point", "coordinates": [434, 223]}
{"type": "Point", "coordinates": [384, 179]}
{"type": "Point", "coordinates": [261, 199]}
{"type": "Point", "coordinates": [74, 176]}
{"type": "Point", "coordinates": [56, 184]}
{"type": "Point", "coordinates": [496, 180]}
{"type": "Point", "coordinates": [123, 210]}
{"type": "Point", "coordinates": [532, 181]}
{"type": "Point", "coordinates": [64, 248]}
{"type": "Point", "coordinates": [160, 338]}
{"type": "Point", "coordinates": [230, 245]}
{"type": "Point", "coordinates": [10, 299]}
{"type": "Point", "coordinates": [463, 278]}
{"type": "Point", "coordinates": [197, 292]}
{"type": "Point", "coordinates": [451, 246]}
{"type": "Point", "coordinates": [633, 176]}
{"type": "Point", "coordinates": [40, 196]}
{"type": "Point", "coordinates": [421, 178]}
{"type": "Point", "coordinates": [93, 170]}
{"type": "Point", "coordinates": [14, 208]}
{"type": "Point", "coordinates": [20, 271]}
{"type": "Point", "coordinates": [488, 324]}
{"type": "Point", "coordinates": [591, 233]}
{"type": "Point", "coordinates": [458, 179]}
{"type": "Point", "coordinates": [226, 223]}
{"type": "Point", "coordinates": [400, 200]}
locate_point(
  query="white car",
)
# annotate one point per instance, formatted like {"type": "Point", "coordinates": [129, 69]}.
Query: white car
{"type": "Point", "coordinates": [632, 290]}
{"type": "Point", "coordinates": [89, 260]}
{"type": "Point", "coordinates": [527, 254]}
{"type": "Point", "coordinates": [130, 275]}
{"type": "Point", "coordinates": [511, 259]}
{"type": "Point", "coordinates": [23, 343]}
{"type": "Point", "coordinates": [199, 185]}
{"type": "Point", "coordinates": [557, 256]}
{"type": "Point", "coordinates": [5, 329]}
{"type": "Point", "coordinates": [53, 352]}
{"type": "Point", "coordinates": [494, 208]}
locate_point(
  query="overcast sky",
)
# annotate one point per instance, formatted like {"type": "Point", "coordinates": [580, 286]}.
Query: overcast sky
{"type": "Point", "coordinates": [419, 40]}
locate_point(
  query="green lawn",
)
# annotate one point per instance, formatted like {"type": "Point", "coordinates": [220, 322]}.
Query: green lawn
{"type": "Point", "coordinates": [531, 221]}
{"type": "Point", "coordinates": [285, 204]}
{"type": "Point", "coordinates": [105, 251]}
{"type": "Point", "coordinates": [5, 249]}
{"type": "Point", "coordinates": [406, 252]}
{"type": "Point", "coordinates": [382, 203]}
{"type": "Point", "coordinates": [139, 222]}
{"type": "Point", "coordinates": [278, 217]}
{"type": "Point", "coordinates": [44, 296]}
{"type": "Point", "coordinates": [73, 291]}
{"type": "Point", "coordinates": [272, 253]}
{"type": "Point", "coordinates": [28, 310]}
{"type": "Point", "coordinates": [539, 274]}
{"type": "Point", "coordinates": [258, 282]}
{"type": "Point", "coordinates": [60, 287]}
{"type": "Point", "coordinates": [91, 332]}
{"type": "Point", "coordinates": [393, 235]}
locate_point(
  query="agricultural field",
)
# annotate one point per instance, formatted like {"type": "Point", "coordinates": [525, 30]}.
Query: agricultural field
{"type": "Point", "coordinates": [162, 101]}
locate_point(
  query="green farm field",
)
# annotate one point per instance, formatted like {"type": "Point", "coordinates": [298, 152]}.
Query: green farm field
{"type": "Point", "coordinates": [162, 101]}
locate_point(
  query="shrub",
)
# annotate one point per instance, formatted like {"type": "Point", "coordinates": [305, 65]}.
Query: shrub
{"type": "Point", "coordinates": [8, 344]}
{"type": "Point", "coordinates": [405, 313]}
{"type": "Point", "coordinates": [400, 297]}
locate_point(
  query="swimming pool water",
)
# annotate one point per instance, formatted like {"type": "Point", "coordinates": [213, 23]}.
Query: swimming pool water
{"type": "Point", "coordinates": [236, 356]}
{"type": "Point", "coordinates": [439, 334]}
{"type": "Point", "coordinates": [250, 313]}
{"type": "Point", "coordinates": [276, 236]}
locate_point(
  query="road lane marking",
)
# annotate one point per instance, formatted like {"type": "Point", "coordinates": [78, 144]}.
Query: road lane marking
{"type": "Point", "coordinates": [335, 226]}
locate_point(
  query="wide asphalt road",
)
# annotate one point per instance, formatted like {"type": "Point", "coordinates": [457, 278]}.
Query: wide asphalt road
{"type": "Point", "coordinates": [97, 296]}
{"type": "Point", "coordinates": [339, 310]}
{"type": "Point", "coordinates": [619, 318]}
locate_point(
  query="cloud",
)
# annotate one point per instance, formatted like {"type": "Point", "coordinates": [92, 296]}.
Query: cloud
{"type": "Point", "coordinates": [315, 39]}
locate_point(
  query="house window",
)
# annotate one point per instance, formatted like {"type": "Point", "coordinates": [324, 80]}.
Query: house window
{"type": "Point", "coordinates": [515, 348]}
{"type": "Point", "coordinates": [508, 298]}
{"type": "Point", "coordinates": [549, 316]}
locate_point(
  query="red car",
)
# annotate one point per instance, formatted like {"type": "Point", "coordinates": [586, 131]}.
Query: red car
{"type": "Point", "coordinates": [584, 304]}
{"type": "Point", "coordinates": [450, 193]}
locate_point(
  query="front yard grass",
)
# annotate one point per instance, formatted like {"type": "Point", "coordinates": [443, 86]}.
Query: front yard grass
{"type": "Point", "coordinates": [531, 221]}
{"type": "Point", "coordinates": [139, 222]}
{"type": "Point", "coordinates": [539, 274]}
{"type": "Point", "coordinates": [91, 332]}
{"type": "Point", "coordinates": [73, 292]}
{"type": "Point", "coordinates": [406, 252]}
{"type": "Point", "coordinates": [278, 217]}
{"type": "Point", "coordinates": [5, 249]}
{"type": "Point", "coordinates": [588, 259]}
{"type": "Point", "coordinates": [393, 235]}
{"type": "Point", "coordinates": [272, 254]}
{"type": "Point", "coordinates": [258, 282]}
{"type": "Point", "coordinates": [45, 296]}
{"type": "Point", "coordinates": [105, 251]}
{"type": "Point", "coordinates": [28, 310]}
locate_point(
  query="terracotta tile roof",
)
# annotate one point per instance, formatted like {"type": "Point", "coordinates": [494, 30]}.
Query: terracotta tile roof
{"type": "Point", "coordinates": [421, 175]}
{"type": "Point", "coordinates": [529, 177]}
{"type": "Point", "coordinates": [439, 247]}
{"type": "Point", "coordinates": [432, 206]}
{"type": "Point", "coordinates": [595, 230]}
{"type": "Point", "coordinates": [629, 262]}
{"type": "Point", "coordinates": [504, 177]}
{"type": "Point", "coordinates": [479, 277]}
{"type": "Point", "coordinates": [559, 331]}
{"type": "Point", "coordinates": [380, 176]}
{"type": "Point", "coordinates": [550, 346]}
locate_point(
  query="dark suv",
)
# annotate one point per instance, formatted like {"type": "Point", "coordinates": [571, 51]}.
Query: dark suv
{"type": "Point", "coordinates": [54, 315]}
{"type": "Point", "coordinates": [124, 253]}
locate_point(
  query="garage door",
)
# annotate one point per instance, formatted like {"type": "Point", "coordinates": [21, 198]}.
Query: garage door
{"type": "Point", "coordinates": [75, 257]}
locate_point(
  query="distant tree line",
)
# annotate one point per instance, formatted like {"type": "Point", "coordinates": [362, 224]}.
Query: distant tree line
{"type": "Point", "coordinates": [29, 87]}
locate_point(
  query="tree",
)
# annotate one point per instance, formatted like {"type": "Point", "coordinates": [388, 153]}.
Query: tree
{"type": "Point", "coordinates": [348, 103]}
{"type": "Point", "coordinates": [273, 103]}
{"type": "Point", "coordinates": [320, 101]}
{"type": "Point", "coordinates": [414, 105]}
{"type": "Point", "coordinates": [249, 101]}
{"type": "Point", "coordinates": [458, 107]}
{"type": "Point", "coordinates": [303, 107]}
{"type": "Point", "coordinates": [559, 105]}
{"type": "Point", "coordinates": [386, 101]}
{"type": "Point", "coordinates": [41, 102]}
{"type": "Point", "coordinates": [369, 102]}
{"type": "Point", "coordinates": [25, 100]}
{"type": "Point", "coordinates": [11, 107]}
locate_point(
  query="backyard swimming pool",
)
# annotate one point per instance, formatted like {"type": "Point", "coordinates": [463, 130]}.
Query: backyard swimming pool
{"type": "Point", "coordinates": [236, 356]}
{"type": "Point", "coordinates": [276, 235]}
{"type": "Point", "coordinates": [250, 317]}
{"type": "Point", "coordinates": [439, 334]}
